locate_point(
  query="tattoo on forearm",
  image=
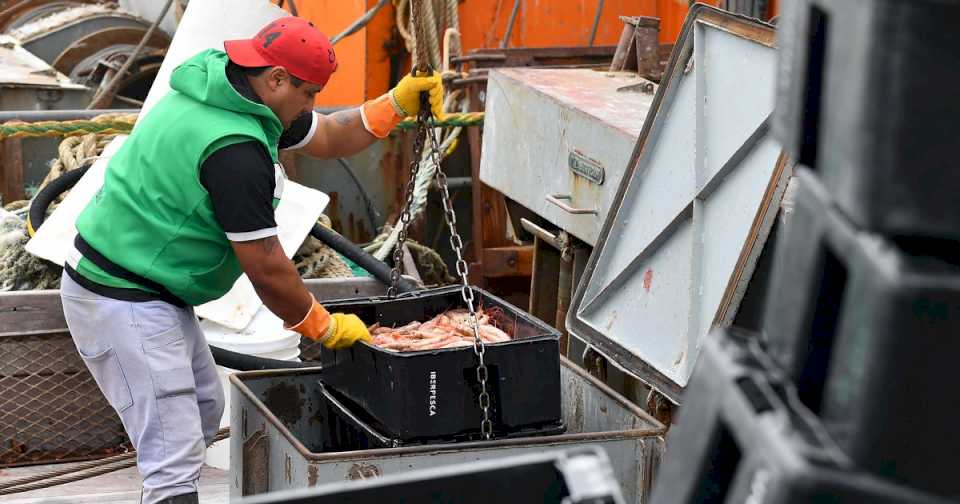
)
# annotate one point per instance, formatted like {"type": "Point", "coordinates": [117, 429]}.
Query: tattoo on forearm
{"type": "Point", "coordinates": [347, 117]}
{"type": "Point", "coordinates": [269, 244]}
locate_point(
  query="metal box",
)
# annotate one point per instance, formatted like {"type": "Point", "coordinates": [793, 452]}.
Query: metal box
{"type": "Point", "coordinates": [276, 437]}
{"type": "Point", "coordinates": [694, 210]}
{"type": "Point", "coordinates": [432, 395]}
{"type": "Point", "coordinates": [557, 141]}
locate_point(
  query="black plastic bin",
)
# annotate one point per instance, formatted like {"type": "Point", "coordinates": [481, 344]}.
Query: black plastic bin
{"type": "Point", "coordinates": [431, 395]}
{"type": "Point", "coordinates": [343, 429]}
{"type": "Point", "coordinates": [867, 98]}
{"type": "Point", "coordinates": [743, 437]}
{"type": "Point", "coordinates": [869, 330]}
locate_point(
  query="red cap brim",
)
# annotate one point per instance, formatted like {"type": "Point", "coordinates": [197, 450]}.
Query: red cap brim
{"type": "Point", "coordinates": [243, 53]}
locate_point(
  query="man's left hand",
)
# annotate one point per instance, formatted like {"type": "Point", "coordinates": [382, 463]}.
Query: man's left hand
{"type": "Point", "coordinates": [406, 96]}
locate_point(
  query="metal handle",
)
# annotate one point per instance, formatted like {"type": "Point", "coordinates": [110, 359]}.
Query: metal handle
{"type": "Point", "coordinates": [556, 200]}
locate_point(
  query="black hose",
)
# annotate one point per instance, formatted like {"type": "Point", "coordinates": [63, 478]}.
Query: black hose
{"type": "Point", "coordinates": [351, 251]}
{"type": "Point", "coordinates": [244, 362]}
{"type": "Point", "coordinates": [42, 200]}
{"type": "Point", "coordinates": [233, 360]}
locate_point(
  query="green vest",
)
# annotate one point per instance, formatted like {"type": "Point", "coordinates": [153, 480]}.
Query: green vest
{"type": "Point", "coordinates": [153, 217]}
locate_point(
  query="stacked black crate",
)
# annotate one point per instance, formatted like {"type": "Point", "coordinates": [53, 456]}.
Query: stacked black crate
{"type": "Point", "coordinates": [849, 400]}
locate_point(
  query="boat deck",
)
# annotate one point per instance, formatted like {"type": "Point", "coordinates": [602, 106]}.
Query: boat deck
{"type": "Point", "coordinates": [118, 487]}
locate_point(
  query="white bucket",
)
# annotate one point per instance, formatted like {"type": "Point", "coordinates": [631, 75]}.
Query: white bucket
{"type": "Point", "coordinates": [264, 337]}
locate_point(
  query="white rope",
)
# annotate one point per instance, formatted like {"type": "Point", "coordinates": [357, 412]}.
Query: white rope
{"type": "Point", "coordinates": [427, 168]}
{"type": "Point", "coordinates": [425, 176]}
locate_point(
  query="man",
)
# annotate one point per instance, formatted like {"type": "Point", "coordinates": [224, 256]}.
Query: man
{"type": "Point", "coordinates": [187, 205]}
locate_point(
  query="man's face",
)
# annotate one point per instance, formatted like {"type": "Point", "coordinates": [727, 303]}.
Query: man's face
{"type": "Point", "coordinates": [285, 99]}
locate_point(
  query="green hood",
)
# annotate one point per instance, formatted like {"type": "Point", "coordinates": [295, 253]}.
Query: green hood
{"type": "Point", "coordinates": [153, 217]}
{"type": "Point", "coordinates": [204, 78]}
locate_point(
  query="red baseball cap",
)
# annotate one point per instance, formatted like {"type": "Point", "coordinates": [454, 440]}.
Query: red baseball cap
{"type": "Point", "coordinates": [292, 43]}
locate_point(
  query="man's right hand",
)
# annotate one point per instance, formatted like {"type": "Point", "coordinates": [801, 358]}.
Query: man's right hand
{"type": "Point", "coordinates": [335, 331]}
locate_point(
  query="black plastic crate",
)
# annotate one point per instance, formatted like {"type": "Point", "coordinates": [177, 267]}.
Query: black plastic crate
{"type": "Point", "coordinates": [345, 430]}
{"type": "Point", "coordinates": [867, 98]}
{"type": "Point", "coordinates": [576, 476]}
{"type": "Point", "coordinates": [743, 437]}
{"type": "Point", "coordinates": [870, 329]}
{"type": "Point", "coordinates": [431, 395]}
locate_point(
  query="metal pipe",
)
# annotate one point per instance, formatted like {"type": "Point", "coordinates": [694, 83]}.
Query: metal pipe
{"type": "Point", "coordinates": [513, 17]}
{"type": "Point", "coordinates": [58, 115]}
{"type": "Point", "coordinates": [459, 182]}
{"type": "Point", "coordinates": [554, 240]}
{"type": "Point", "coordinates": [596, 22]}
{"type": "Point", "coordinates": [564, 290]}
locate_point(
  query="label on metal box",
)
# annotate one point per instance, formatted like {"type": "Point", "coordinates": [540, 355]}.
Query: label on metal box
{"type": "Point", "coordinates": [587, 168]}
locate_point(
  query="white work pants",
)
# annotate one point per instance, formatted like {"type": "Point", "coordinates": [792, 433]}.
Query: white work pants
{"type": "Point", "coordinates": [153, 365]}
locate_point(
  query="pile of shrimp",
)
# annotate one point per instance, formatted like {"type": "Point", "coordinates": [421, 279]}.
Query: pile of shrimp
{"type": "Point", "coordinates": [450, 329]}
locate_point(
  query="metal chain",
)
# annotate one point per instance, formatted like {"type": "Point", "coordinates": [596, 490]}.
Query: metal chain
{"type": "Point", "coordinates": [418, 140]}
{"type": "Point", "coordinates": [427, 134]}
{"type": "Point", "coordinates": [405, 217]}
{"type": "Point", "coordinates": [466, 292]}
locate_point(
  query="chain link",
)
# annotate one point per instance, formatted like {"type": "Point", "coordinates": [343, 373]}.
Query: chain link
{"type": "Point", "coordinates": [405, 216]}
{"type": "Point", "coordinates": [425, 134]}
{"type": "Point", "coordinates": [466, 292]}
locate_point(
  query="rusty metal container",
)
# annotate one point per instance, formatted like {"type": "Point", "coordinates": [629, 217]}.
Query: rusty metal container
{"type": "Point", "coordinates": [277, 437]}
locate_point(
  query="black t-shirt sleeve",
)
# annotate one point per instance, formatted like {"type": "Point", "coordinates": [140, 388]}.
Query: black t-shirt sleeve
{"type": "Point", "coordinates": [300, 131]}
{"type": "Point", "coordinates": [241, 181]}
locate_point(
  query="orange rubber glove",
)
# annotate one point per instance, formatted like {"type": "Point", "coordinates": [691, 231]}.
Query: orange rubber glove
{"type": "Point", "coordinates": [383, 114]}
{"type": "Point", "coordinates": [333, 331]}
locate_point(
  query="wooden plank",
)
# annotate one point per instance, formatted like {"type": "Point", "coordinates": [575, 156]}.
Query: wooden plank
{"type": "Point", "coordinates": [11, 172]}
{"type": "Point", "coordinates": [513, 261]}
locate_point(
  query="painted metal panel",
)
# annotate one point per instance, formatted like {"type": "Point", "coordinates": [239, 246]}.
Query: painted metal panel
{"type": "Point", "coordinates": [692, 208]}
{"type": "Point", "coordinates": [272, 450]}
{"type": "Point", "coordinates": [566, 132]}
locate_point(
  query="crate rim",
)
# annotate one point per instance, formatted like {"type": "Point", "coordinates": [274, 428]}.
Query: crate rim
{"type": "Point", "coordinates": [552, 334]}
{"type": "Point", "coordinates": [658, 431]}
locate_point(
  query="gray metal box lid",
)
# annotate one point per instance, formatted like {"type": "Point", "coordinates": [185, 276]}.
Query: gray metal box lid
{"type": "Point", "coordinates": [694, 208]}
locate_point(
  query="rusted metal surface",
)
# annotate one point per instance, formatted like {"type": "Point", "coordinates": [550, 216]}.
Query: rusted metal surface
{"type": "Point", "coordinates": [255, 453]}
{"type": "Point", "coordinates": [11, 170]}
{"type": "Point", "coordinates": [538, 56]}
{"type": "Point", "coordinates": [48, 36]}
{"type": "Point", "coordinates": [593, 413]}
{"type": "Point", "coordinates": [638, 49]}
{"type": "Point", "coordinates": [17, 12]}
{"type": "Point", "coordinates": [87, 45]}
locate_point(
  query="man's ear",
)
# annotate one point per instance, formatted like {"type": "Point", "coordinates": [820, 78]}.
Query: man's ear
{"type": "Point", "coordinates": [276, 76]}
